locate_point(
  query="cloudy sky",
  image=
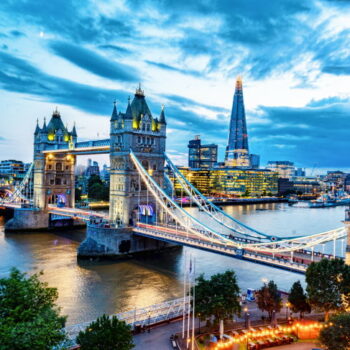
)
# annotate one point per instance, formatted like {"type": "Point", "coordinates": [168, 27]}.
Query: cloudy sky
{"type": "Point", "coordinates": [293, 55]}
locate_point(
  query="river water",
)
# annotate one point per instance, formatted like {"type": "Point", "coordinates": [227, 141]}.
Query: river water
{"type": "Point", "coordinates": [89, 289]}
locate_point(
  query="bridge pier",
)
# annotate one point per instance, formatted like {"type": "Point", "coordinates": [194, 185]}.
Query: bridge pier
{"type": "Point", "coordinates": [347, 227]}
{"type": "Point", "coordinates": [116, 242]}
{"type": "Point", "coordinates": [28, 219]}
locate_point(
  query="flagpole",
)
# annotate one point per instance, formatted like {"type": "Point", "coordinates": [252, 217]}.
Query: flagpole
{"type": "Point", "coordinates": [189, 301]}
{"type": "Point", "coordinates": [184, 299]}
{"type": "Point", "coordinates": [193, 300]}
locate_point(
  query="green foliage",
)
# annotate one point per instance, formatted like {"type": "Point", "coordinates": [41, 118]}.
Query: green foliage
{"type": "Point", "coordinates": [328, 285]}
{"type": "Point", "coordinates": [298, 299]}
{"type": "Point", "coordinates": [337, 336]}
{"type": "Point", "coordinates": [269, 299]}
{"type": "Point", "coordinates": [106, 334]}
{"type": "Point", "coordinates": [78, 194]}
{"type": "Point", "coordinates": [218, 296]}
{"type": "Point", "coordinates": [29, 317]}
{"type": "Point", "coordinates": [97, 189]}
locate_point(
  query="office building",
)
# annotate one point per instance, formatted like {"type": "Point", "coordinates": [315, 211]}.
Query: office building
{"type": "Point", "coordinates": [285, 169]}
{"type": "Point", "coordinates": [201, 156]}
{"type": "Point", "coordinates": [232, 182]}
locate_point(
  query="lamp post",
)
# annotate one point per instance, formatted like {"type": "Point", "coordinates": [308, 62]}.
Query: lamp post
{"type": "Point", "coordinates": [246, 318]}
{"type": "Point", "coordinates": [149, 321]}
{"type": "Point", "coordinates": [199, 323]}
{"type": "Point", "coordinates": [287, 305]}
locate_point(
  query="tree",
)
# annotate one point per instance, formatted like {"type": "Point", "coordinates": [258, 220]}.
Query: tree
{"type": "Point", "coordinates": [269, 298]}
{"type": "Point", "coordinates": [298, 299]}
{"type": "Point", "coordinates": [336, 336]}
{"type": "Point", "coordinates": [328, 285]}
{"type": "Point", "coordinates": [96, 191]}
{"type": "Point", "coordinates": [29, 317]}
{"type": "Point", "coordinates": [218, 297]}
{"type": "Point", "coordinates": [106, 334]}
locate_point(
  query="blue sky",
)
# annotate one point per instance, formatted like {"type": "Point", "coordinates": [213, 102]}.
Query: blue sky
{"type": "Point", "coordinates": [293, 55]}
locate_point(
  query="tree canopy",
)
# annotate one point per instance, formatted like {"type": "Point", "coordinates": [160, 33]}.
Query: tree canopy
{"type": "Point", "coordinates": [269, 299]}
{"type": "Point", "coordinates": [29, 317]}
{"type": "Point", "coordinates": [298, 299]}
{"type": "Point", "coordinates": [336, 336]}
{"type": "Point", "coordinates": [328, 285]}
{"type": "Point", "coordinates": [97, 189]}
{"type": "Point", "coordinates": [218, 297]}
{"type": "Point", "coordinates": [106, 334]}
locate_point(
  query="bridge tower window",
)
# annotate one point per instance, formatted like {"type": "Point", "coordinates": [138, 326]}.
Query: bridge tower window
{"type": "Point", "coordinates": [58, 166]}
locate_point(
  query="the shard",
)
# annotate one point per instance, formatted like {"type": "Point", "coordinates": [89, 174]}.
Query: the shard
{"type": "Point", "coordinates": [237, 151]}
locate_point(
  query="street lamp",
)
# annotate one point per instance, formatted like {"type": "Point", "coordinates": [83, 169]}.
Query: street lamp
{"type": "Point", "coordinates": [199, 323]}
{"type": "Point", "coordinates": [246, 318]}
{"type": "Point", "coordinates": [287, 305]}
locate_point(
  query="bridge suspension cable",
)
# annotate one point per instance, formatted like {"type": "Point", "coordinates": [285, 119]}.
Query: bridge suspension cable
{"type": "Point", "coordinates": [23, 193]}
{"type": "Point", "coordinates": [202, 230]}
{"type": "Point", "coordinates": [213, 211]}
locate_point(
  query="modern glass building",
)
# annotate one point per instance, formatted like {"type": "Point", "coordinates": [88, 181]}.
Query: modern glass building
{"type": "Point", "coordinates": [201, 156]}
{"type": "Point", "coordinates": [232, 182]}
{"type": "Point", "coordinates": [237, 150]}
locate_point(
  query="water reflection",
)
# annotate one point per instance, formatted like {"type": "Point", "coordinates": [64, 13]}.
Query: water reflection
{"type": "Point", "coordinates": [86, 290]}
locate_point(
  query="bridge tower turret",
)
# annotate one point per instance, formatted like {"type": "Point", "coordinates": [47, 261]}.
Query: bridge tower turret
{"type": "Point", "coordinates": [138, 130]}
{"type": "Point", "coordinates": [347, 227]}
{"type": "Point", "coordinates": [54, 180]}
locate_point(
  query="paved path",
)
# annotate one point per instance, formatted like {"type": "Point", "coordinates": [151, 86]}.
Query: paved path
{"type": "Point", "coordinates": [158, 338]}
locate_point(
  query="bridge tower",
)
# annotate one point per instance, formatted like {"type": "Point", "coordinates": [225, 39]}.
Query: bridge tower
{"type": "Point", "coordinates": [139, 130]}
{"type": "Point", "coordinates": [347, 226]}
{"type": "Point", "coordinates": [53, 172]}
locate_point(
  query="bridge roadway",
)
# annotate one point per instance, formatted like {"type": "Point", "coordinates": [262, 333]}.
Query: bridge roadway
{"type": "Point", "coordinates": [76, 213]}
{"type": "Point", "coordinates": [172, 235]}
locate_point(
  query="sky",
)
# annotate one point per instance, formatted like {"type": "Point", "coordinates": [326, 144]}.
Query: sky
{"type": "Point", "coordinates": [80, 56]}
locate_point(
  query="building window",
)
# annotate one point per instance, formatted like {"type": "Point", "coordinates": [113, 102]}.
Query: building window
{"type": "Point", "coordinates": [67, 167]}
{"type": "Point", "coordinates": [58, 181]}
{"type": "Point", "coordinates": [49, 166]}
{"type": "Point", "coordinates": [148, 127]}
{"type": "Point", "coordinates": [58, 166]}
{"type": "Point", "coordinates": [138, 139]}
{"type": "Point", "coordinates": [52, 181]}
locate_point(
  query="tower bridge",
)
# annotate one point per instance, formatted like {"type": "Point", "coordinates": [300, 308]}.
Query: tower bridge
{"type": "Point", "coordinates": [143, 214]}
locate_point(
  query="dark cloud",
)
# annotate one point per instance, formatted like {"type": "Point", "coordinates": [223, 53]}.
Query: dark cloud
{"type": "Point", "coordinates": [186, 102]}
{"type": "Point", "coordinates": [93, 62]}
{"type": "Point", "coordinates": [17, 33]}
{"type": "Point", "coordinates": [117, 49]}
{"type": "Point", "coordinates": [304, 135]}
{"type": "Point", "coordinates": [18, 75]}
{"type": "Point", "coordinates": [175, 69]}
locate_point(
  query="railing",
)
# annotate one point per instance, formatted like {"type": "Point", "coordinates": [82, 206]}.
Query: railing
{"type": "Point", "coordinates": [146, 316]}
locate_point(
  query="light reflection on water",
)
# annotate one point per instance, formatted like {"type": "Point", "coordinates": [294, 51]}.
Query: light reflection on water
{"type": "Point", "coordinates": [86, 290]}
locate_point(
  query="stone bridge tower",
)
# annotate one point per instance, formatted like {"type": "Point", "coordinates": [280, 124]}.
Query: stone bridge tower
{"type": "Point", "coordinates": [54, 181]}
{"type": "Point", "coordinates": [139, 130]}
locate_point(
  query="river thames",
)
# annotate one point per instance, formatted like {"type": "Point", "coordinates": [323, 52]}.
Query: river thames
{"type": "Point", "coordinates": [89, 289]}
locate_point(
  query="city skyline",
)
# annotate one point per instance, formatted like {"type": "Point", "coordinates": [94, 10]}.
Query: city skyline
{"type": "Point", "coordinates": [293, 60]}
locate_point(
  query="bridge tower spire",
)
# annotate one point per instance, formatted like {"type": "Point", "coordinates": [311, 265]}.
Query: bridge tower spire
{"type": "Point", "coordinates": [139, 131]}
{"type": "Point", "coordinates": [54, 179]}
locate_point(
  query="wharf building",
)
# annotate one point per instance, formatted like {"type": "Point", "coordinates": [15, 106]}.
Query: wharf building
{"type": "Point", "coordinates": [239, 174]}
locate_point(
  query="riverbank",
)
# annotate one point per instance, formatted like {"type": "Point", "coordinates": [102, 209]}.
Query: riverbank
{"type": "Point", "coordinates": [240, 201]}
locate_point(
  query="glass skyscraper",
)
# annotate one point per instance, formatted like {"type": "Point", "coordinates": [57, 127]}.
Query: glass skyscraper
{"type": "Point", "coordinates": [237, 150]}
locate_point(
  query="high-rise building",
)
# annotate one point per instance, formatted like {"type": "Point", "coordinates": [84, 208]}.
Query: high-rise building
{"type": "Point", "coordinates": [237, 150]}
{"type": "Point", "coordinates": [284, 168]}
{"type": "Point", "coordinates": [201, 156]}
{"type": "Point", "coordinates": [254, 161]}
